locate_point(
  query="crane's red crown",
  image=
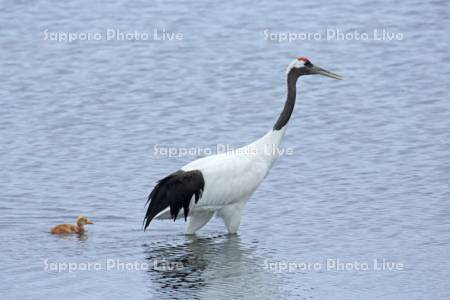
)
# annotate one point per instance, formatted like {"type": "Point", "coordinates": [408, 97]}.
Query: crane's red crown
{"type": "Point", "coordinates": [303, 59]}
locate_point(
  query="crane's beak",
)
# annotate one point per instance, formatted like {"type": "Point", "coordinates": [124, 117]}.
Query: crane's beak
{"type": "Point", "coordinates": [320, 71]}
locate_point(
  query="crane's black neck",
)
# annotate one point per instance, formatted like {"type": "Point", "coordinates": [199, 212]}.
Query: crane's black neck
{"type": "Point", "coordinates": [285, 115]}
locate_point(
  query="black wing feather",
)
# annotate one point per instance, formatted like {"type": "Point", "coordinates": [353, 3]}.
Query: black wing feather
{"type": "Point", "coordinates": [174, 191]}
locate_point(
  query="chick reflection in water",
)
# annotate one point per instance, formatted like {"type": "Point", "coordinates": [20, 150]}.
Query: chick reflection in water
{"type": "Point", "coordinates": [209, 268]}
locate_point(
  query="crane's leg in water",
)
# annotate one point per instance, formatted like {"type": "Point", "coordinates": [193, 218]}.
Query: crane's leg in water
{"type": "Point", "coordinates": [231, 216]}
{"type": "Point", "coordinates": [197, 220]}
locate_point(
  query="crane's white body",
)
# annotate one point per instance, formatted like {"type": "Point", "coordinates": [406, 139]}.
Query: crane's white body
{"type": "Point", "coordinates": [230, 180]}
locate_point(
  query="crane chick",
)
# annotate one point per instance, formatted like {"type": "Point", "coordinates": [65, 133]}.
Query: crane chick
{"type": "Point", "coordinates": [78, 227]}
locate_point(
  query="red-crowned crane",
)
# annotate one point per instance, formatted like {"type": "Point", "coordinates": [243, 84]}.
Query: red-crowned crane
{"type": "Point", "coordinates": [221, 184]}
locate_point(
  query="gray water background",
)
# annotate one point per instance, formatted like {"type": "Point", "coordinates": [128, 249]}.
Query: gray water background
{"type": "Point", "coordinates": [369, 177]}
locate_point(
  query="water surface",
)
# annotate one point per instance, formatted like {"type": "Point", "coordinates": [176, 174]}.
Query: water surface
{"type": "Point", "coordinates": [369, 177]}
